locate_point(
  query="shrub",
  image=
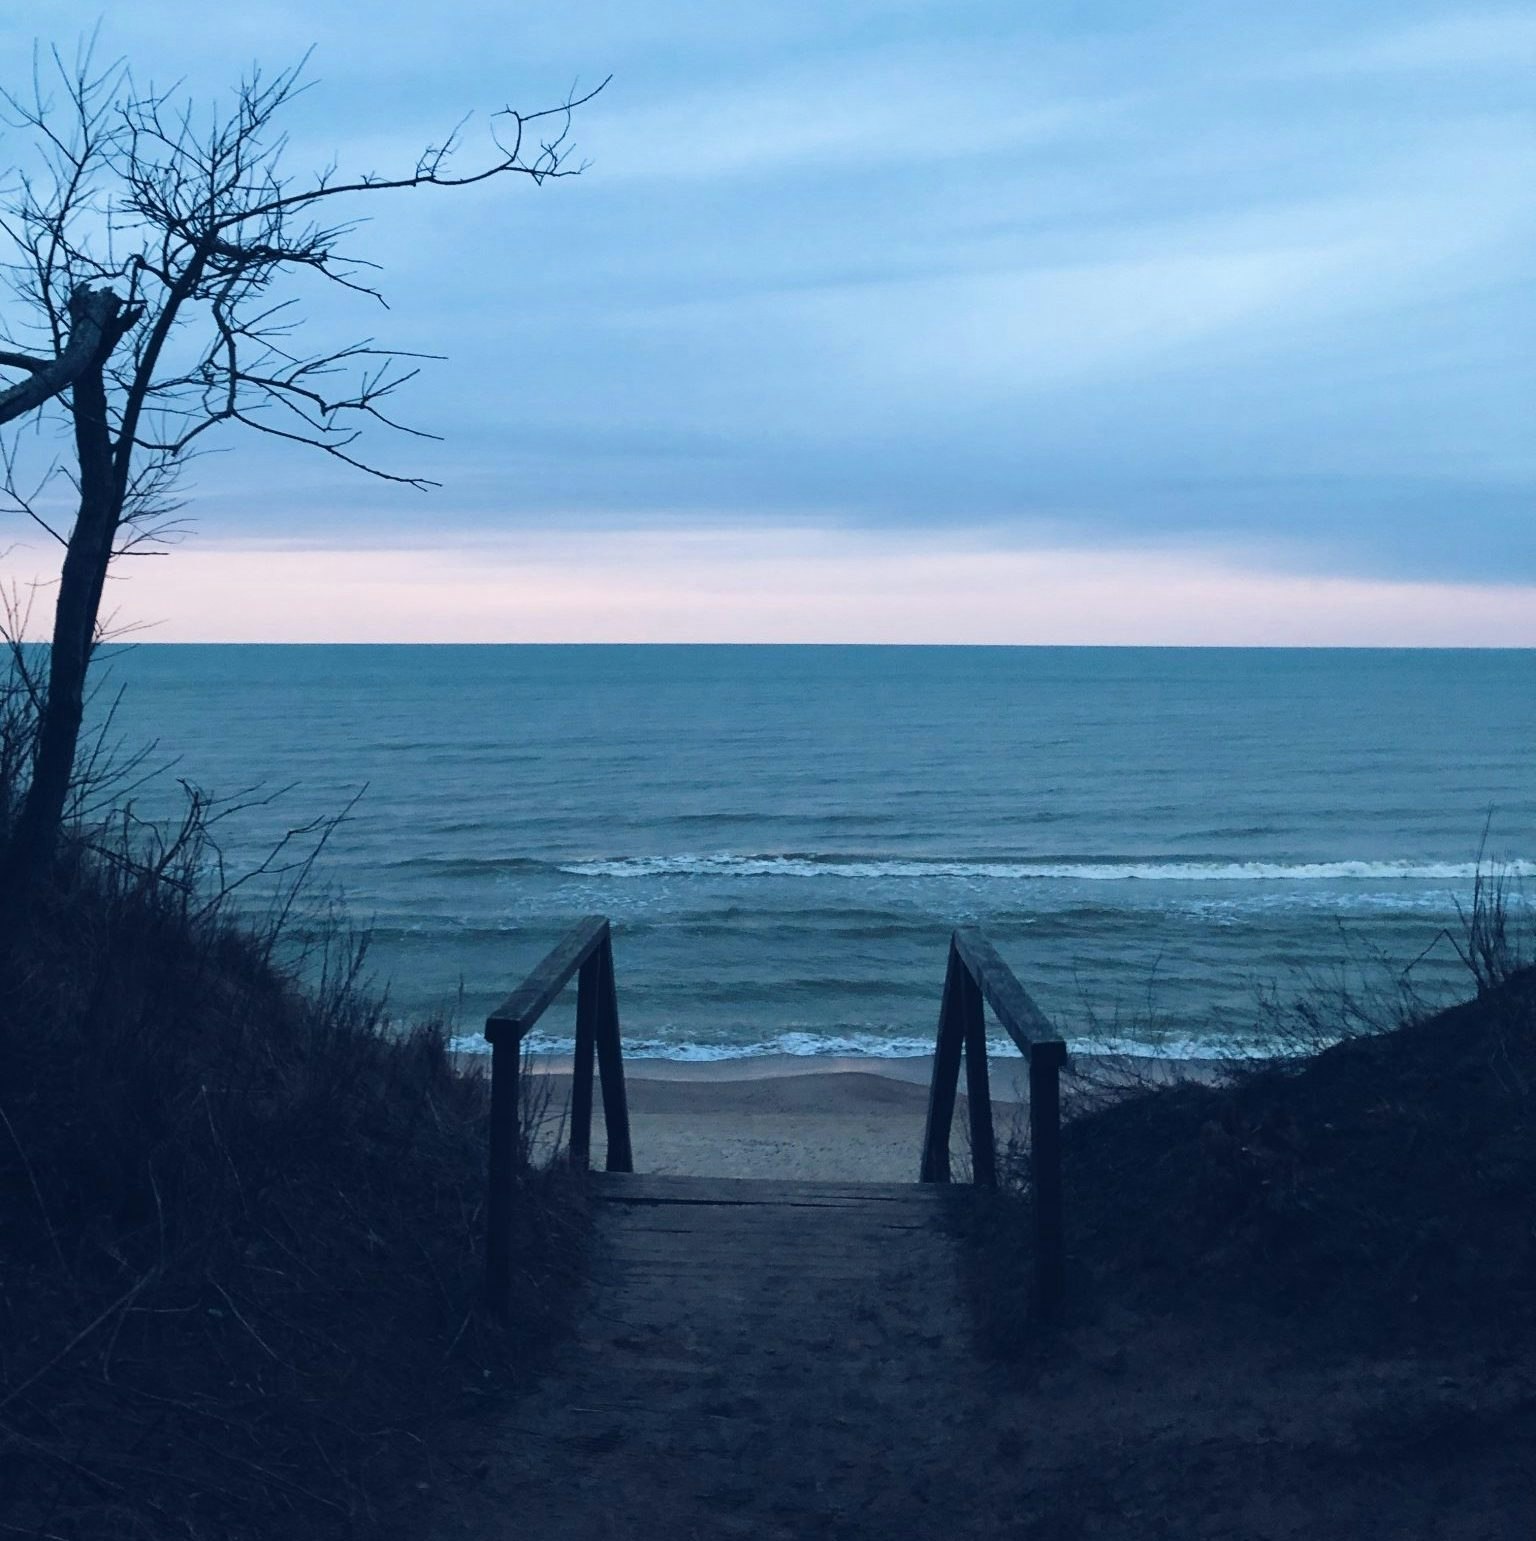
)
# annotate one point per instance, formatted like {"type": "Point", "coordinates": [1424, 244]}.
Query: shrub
{"type": "Point", "coordinates": [239, 1217]}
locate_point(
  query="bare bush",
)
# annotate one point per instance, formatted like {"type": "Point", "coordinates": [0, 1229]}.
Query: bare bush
{"type": "Point", "coordinates": [242, 1212]}
{"type": "Point", "coordinates": [1492, 945]}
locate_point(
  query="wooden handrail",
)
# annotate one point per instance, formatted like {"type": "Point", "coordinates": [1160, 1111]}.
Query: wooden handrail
{"type": "Point", "coordinates": [975, 973]}
{"type": "Point", "coordinates": [1021, 1019]}
{"type": "Point", "coordinates": [587, 952]}
{"type": "Point", "coordinates": [529, 1001]}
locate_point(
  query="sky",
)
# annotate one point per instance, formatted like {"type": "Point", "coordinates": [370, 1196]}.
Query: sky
{"type": "Point", "coordinates": [897, 321]}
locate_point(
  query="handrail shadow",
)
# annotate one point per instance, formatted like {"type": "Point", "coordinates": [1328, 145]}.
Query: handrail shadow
{"type": "Point", "coordinates": [976, 973]}
{"type": "Point", "coordinates": [587, 952]}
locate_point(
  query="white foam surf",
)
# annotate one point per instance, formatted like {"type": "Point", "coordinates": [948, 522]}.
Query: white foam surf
{"type": "Point", "coordinates": [728, 865]}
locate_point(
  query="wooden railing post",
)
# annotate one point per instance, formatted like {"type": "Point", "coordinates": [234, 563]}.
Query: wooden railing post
{"type": "Point", "coordinates": [506, 1137]}
{"type": "Point", "coordinates": [976, 978]}
{"type": "Point", "coordinates": [589, 990]}
{"type": "Point", "coordinates": [610, 1062]}
{"type": "Point", "coordinates": [978, 1088]}
{"type": "Point", "coordinates": [946, 1076]}
{"type": "Point", "coordinates": [587, 951]}
{"type": "Point", "coordinates": [1045, 1062]}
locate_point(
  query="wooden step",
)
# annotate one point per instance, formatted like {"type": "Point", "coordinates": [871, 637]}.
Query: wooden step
{"type": "Point", "coordinates": [652, 1188]}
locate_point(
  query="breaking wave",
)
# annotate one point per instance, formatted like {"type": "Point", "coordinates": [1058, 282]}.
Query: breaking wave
{"type": "Point", "coordinates": [1102, 870]}
{"type": "Point", "coordinates": [816, 1045]}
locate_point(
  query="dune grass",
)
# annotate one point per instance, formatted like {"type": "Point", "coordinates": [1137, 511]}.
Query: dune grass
{"type": "Point", "coordinates": [240, 1220]}
{"type": "Point", "coordinates": [1367, 1176]}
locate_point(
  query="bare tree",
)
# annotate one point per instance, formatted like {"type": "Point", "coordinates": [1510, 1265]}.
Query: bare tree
{"type": "Point", "coordinates": [147, 243]}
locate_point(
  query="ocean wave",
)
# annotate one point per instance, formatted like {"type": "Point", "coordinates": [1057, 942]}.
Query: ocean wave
{"type": "Point", "coordinates": [467, 866]}
{"type": "Point", "coordinates": [799, 1045]}
{"type": "Point", "coordinates": [1100, 870]}
{"type": "Point", "coordinates": [808, 1045]}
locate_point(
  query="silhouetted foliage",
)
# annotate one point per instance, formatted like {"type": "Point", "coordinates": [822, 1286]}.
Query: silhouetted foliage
{"type": "Point", "coordinates": [148, 243]}
{"type": "Point", "coordinates": [240, 1215]}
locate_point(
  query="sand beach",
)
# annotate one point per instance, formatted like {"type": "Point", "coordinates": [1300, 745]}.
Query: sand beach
{"type": "Point", "coordinates": [840, 1124]}
{"type": "Point", "coordinates": [790, 1117]}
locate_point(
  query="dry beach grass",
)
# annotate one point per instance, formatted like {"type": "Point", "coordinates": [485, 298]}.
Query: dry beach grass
{"type": "Point", "coordinates": [239, 1225]}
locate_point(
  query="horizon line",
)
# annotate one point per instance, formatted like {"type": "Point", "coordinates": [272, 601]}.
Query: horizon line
{"type": "Point", "coordinates": [990, 647]}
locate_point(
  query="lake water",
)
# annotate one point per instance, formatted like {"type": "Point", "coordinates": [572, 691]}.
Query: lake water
{"type": "Point", "coordinates": [783, 837]}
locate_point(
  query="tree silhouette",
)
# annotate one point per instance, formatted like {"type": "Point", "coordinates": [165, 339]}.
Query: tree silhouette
{"type": "Point", "coordinates": [147, 240]}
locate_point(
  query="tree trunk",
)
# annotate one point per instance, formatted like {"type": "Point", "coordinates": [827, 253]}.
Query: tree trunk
{"type": "Point", "coordinates": [97, 318]}
{"type": "Point", "coordinates": [35, 838]}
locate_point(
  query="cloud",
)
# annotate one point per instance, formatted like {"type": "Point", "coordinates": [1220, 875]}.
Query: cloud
{"type": "Point", "coordinates": [1173, 276]}
{"type": "Point", "coordinates": [780, 585]}
{"type": "Point", "coordinates": [1503, 41]}
{"type": "Point", "coordinates": [900, 107]}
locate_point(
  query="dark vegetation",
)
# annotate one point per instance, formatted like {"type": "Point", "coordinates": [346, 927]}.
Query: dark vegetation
{"type": "Point", "coordinates": [1301, 1291]}
{"type": "Point", "coordinates": [1341, 1236]}
{"type": "Point", "coordinates": [239, 1216]}
{"type": "Point", "coordinates": [1381, 1189]}
{"type": "Point", "coordinates": [239, 1219]}
{"type": "Point", "coordinates": [1374, 1177]}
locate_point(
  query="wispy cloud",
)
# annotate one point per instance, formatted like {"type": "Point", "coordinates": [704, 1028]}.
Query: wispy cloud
{"type": "Point", "coordinates": [1500, 41]}
{"type": "Point", "coordinates": [1193, 274]}
{"type": "Point", "coordinates": [897, 108]}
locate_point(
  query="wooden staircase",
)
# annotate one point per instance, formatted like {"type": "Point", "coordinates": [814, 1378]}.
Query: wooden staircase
{"type": "Point", "coordinates": [774, 1360]}
{"type": "Point", "coordinates": [795, 1258]}
{"type": "Point", "coordinates": [738, 1233]}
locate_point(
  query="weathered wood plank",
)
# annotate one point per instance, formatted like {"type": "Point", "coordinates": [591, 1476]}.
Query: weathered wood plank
{"type": "Point", "coordinates": [806, 1210]}
{"type": "Point", "coordinates": [978, 1090]}
{"type": "Point", "coordinates": [682, 1180]}
{"type": "Point", "coordinates": [1045, 1158]}
{"type": "Point", "coordinates": [784, 1240]}
{"type": "Point", "coordinates": [745, 1268]}
{"type": "Point", "coordinates": [506, 1142]}
{"type": "Point", "coordinates": [810, 1243]}
{"type": "Point", "coordinates": [736, 1190]}
{"type": "Point", "coordinates": [679, 1205]}
{"type": "Point", "coordinates": [1022, 1020]}
{"type": "Point", "coordinates": [528, 1002]}
{"type": "Point", "coordinates": [806, 1252]}
{"type": "Point", "coordinates": [795, 1201]}
{"type": "Point", "coordinates": [782, 1284]}
{"type": "Point", "coordinates": [795, 1222]}
{"type": "Point", "coordinates": [743, 1244]}
{"type": "Point", "coordinates": [588, 988]}
{"type": "Point", "coordinates": [789, 1222]}
{"type": "Point", "coordinates": [776, 1243]}
{"type": "Point", "coordinates": [748, 1266]}
{"type": "Point", "coordinates": [610, 1062]}
{"type": "Point", "coordinates": [944, 1085]}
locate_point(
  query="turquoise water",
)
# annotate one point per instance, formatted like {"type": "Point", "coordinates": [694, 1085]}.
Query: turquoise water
{"type": "Point", "coordinates": [784, 836]}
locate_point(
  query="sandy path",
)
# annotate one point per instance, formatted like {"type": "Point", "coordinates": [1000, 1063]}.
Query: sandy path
{"type": "Point", "coordinates": [738, 1371]}
{"type": "Point", "coordinates": [802, 1367]}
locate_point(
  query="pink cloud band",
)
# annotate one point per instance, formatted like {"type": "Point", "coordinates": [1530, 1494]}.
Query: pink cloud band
{"type": "Point", "coordinates": [777, 585]}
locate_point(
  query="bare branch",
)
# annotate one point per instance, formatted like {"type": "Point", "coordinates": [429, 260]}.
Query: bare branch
{"type": "Point", "coordinates": [148, 243]}
{"type": "Point", "coordinates": [98, 321]}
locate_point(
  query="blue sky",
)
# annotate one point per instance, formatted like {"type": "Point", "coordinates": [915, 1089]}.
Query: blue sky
{"type": "Point", "coordinates": [1241, 287]}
